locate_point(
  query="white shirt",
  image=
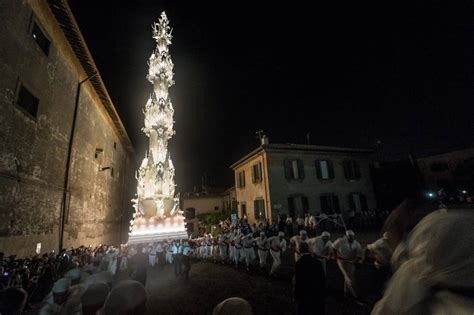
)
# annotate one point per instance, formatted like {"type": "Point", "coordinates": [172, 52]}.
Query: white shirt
{"type": "Point", "coordinates": [318, 247]}
{"type": "Point", "coordinates": [177, 249]}
{"type": "Point", "coordinates": [381, 250]}
{"type": "Point", "coordinates": [346, 250]}
{"type": "Point", "coordinates": [276, 244]}
{"type": "Point", "coordinates": [187, 250]}
{"type": "Point", "coordinates": [262, 243]}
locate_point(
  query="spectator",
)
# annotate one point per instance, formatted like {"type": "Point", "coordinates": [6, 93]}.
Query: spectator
{"type": "Point", "coordinates": [233, 306]}
{"type": "Point", "coordinates": [127, 297]}
{"type": "Point", "coordinates": [13, 301]}
{"type": "Point", "coordinates": [309, 283]}
{"type": "Point", "coordinates": [94, 298]}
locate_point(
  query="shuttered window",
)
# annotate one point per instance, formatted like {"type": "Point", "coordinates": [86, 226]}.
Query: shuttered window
{"type": "Point", "coordinates": [351, 169]}
{"type": "Point", "coordinates": [259, 209]}
{"type": "Point", "coordinates": [324, 169]}
{"type": "Point", "coordinates": [257, 172]}
{"type": "Point", "coordinates": [294, 169]}
{"type": "Point", "coordinates": [241, 179]}
{"type": "Point", "coordinates": [358, 202]}
{"type": "Point", "coordinates": [329, 203]}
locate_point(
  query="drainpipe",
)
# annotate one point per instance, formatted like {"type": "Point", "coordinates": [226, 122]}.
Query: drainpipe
{"type": "Point", "coordinates": [62, 217]}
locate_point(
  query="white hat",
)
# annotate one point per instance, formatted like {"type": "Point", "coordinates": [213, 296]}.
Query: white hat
{"type": "Point", "coordinates": [233, 305]}
{"type": "Point", "coordinates": [73, 274]}
{"type": "Point", "coordinates": [326, 233]}
{"type": "Point", "coordinates": [350, 233]}
{"type": "Point", "coordinates": [262, 233]}
{"type": "Point", "coordinates": [303, 232]}
{"type": "Point", "coordinates": [385, 236]}
{"type": "Point", "coordinates": [62, 285]}
{"type": "Point", "coordinates": [281, 234]}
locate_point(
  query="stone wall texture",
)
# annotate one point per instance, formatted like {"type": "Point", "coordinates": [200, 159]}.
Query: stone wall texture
{"type": "Point", "coordinates": [33, 150]}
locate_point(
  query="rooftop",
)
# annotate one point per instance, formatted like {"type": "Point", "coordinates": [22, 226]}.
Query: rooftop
{"type": "Point", "coordinates": [275, 147]}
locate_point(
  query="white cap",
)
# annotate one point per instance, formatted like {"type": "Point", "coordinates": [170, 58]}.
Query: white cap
{"type": "Point", "coordinates": [62, 285]}
{"type": "Point", "coordinates": [281, 234]}
{"type": "Point", "coordinates": [303, 232]}
{"type": "Point", "coordinates": [326, 233]}
{"type": "Point", "coordinates": [350, 233]}
{"type": "Point", "coordinates": [385, 236]}
{"type": "Point", "coordinates": [73, 274]}
{"type": "Point", "coordinates": [262, 233]}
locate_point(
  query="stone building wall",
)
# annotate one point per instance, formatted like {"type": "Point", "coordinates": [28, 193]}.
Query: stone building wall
{"type": "Point", "coordinates": [33, 150]}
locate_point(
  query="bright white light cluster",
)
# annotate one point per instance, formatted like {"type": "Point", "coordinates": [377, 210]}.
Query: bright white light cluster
{"type": "Point", "coordinates": [156, 206]}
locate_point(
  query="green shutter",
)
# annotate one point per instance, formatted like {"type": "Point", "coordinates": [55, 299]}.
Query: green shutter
{"type": "Point", "coordinates": [356, 170]}
{"type": "Point", "coordinates": [351, 202]}
{"type": "Point", "coordinates": [291, 207]}
{"type": "Point", "coordinates": [330, 169]}
{"type": "Point", "coordinates": [288, 171]}
{"type": "Point", "coordinates": [335, 204]}
{"type": "Point", "coordinates": [324, 203]}
{"type": "Point", "coordinates": [300, 169]}
{"type": "Point", "coordinates": [318, 169]}
{"type": "Point", "coordinates": [253, 174]}
{"type": "Point", "coordinates": [304, 201]}
{"type": "Point", "coordinates": [346, 165]}
{"type": "Point", "coordinates": [363, 202]}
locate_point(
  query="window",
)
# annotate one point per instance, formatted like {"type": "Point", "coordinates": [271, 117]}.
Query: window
{"type": "Point", "coordinates": [233, 206]}
{"type": "Point", "coordinates": [324, 169]}
{"type": "Point", "coordinates": [41, 39]}
{"type": "Point", "coordinates": [259, 208]}
{"type": "Point", "coordinates": [257, 172]}
{"type": "Point", "coordinates": [298, 205]}
{"type": "Point", "coordinates": [216, 208]}
{"type": "Point", "coordinates": [241, 179]}
{"type": "Point", "coordinates": [27, 101]}
{"type": "Point", "coordinates": [294, 169]}
{"type": "Point", "coordinates": [243, 210]}
{"type": "Point", "coordinates": [115, 145]}
{"type": "Point", "coordinates": [329, 203]}
{"type": "Point", "coordinates": [190, 213]}
{"type": "Point", "coordinates": [439, 167]}
{"type": "Point", "coordinates": [351, 169]}
{"type": "Point", "coordinates": [358, 202]}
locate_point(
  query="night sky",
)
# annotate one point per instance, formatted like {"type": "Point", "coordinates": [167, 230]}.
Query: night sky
{"type": "Point", "coordinates": [349, 74]}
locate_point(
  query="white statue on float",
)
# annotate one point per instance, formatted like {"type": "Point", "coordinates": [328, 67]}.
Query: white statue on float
{"type": "Point", "coordinates": [157, 215]}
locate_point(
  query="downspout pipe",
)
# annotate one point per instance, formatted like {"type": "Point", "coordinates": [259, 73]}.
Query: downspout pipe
{"type": "Point", "coordinates": [62, 216]}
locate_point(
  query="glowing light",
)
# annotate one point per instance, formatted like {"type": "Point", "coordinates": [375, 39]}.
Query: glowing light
{"type": "Point", "coordinates": [156, 204]}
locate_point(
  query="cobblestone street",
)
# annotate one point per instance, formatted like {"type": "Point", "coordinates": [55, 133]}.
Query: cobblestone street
{"type": "Point", "coordinates": [210, 283]}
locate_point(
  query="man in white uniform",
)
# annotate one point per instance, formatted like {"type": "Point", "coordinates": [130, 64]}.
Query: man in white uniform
{"type": "Point", "coordinates": [321, 247]}
{"type": "Point", "coordinates": [249, 253]}
{"type": "Point", "coordinates": [348, 252]}
{"type": "Point", "coordinates": [277, 245]}
{"type": "Point", "coordinates": [222, 247]}
{"type": "Point", "coordinates": [238, 249]}
{"type": "Point", "coordinates": [296, 240]}
{"type": "Point", "coordinates": [262, 245]}
{"type": "Point", "coordinates": [151, 255]}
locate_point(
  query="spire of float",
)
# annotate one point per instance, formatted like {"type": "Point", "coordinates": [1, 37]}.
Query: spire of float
{"type": "Point", "coordinates": [157, 215]}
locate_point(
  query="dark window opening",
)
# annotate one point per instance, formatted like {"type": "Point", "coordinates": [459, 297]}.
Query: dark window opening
{"type": "Point", "coordinates": [41, 39]}
{"type": "Point", "coordinates": [351, 169]}
{"type": "Point", "coordinates": [329, 204]}
{"type": "Point", "coordinates": [294, 169]}
{"type": "Point", "coordinates": [115, 145]}
{"type": "Point", "coordinates": [27, 101]}
{"type": "Point", "coordinates": [259, 209]}
{"type": "Point", "coordinates": [190, 213]}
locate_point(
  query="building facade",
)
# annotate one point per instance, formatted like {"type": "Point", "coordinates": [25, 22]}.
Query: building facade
{"type": "Point", "coordinates": [56, 188]}
{"type": "Point", "coordinates": [293, 179]}
{"type": "Point", "coordinates": [207, 202]}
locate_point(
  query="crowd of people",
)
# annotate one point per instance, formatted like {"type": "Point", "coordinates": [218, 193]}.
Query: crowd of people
{"type": "Point", "coordinates": [409, 264]}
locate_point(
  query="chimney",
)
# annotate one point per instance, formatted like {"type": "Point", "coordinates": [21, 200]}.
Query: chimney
{"type": "Point", "coordinates": [264, 140]}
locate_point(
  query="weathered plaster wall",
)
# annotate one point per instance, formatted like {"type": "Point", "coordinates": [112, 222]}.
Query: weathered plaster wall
{"type": "Point", "coordinates": [33, 151]}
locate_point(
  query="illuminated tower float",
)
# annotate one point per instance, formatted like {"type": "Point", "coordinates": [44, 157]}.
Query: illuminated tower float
{"type": "Point", "coordinates": [157, 215]}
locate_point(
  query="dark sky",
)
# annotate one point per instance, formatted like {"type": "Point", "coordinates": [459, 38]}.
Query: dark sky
{"type": "Point", "coordinates": [350, 74]}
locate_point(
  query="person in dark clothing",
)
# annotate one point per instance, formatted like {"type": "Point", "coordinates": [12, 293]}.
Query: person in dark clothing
{"type": "Point", "coordinates": [141, 265]}
{"type": "Point", "coordinates": [309, 283]}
